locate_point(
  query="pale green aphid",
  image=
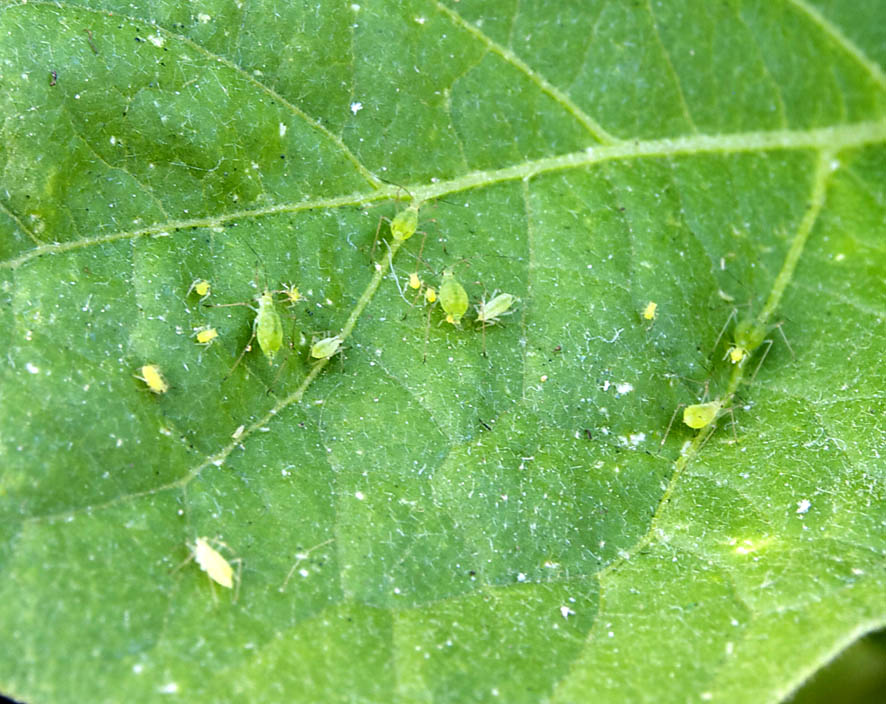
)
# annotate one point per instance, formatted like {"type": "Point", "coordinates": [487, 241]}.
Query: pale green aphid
{"type": "Point", "coordinates": [453, 298]}
{"type": "Point", "coordinates": [700, 415]}
{"type": "Point", "coordinates": [325, 348]}
{"type": "Point", "coordinates": [488, 312]}
{"type": "Point", "coordinates": [268, 328]}
{"type": "Point", "coordinates": [405, 223]}
{"type": "Point", "coordinates": [749, 335]}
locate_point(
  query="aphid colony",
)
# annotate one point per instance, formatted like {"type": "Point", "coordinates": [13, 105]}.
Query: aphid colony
{"type": "Point", "coordinates": [748, 337]}
{"type": "Point", "coordinates": [268, 325]}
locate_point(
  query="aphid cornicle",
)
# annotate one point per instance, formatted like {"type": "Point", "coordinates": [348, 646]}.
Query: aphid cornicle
{"type": "Point", "coordinates": [453, 298]}
{"type": "Point", "coordinates": [153, 377]}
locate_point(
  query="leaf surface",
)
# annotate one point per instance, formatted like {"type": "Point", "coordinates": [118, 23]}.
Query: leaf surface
{"type": "Point", "coordinates": [416, 520]}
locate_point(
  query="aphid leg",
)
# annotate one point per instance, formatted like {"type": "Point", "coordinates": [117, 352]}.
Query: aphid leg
{"type": "Point", "coordinates": [483, 335]}
{"type": "Point", "coordinates": [723, 329]}
{"type": "Point", "coordinates": [671, 423]}
{"type": "Point", "coordinates": [245, 350]}
{"type": "Point", "coordinates": [239, 562]}
{"type": "Point", "coordinates": [732, 415]}
{"type": "Point", "coordinates": [375, 239]}
{"type": "Point", "coordinates": [785, 338]}
{"type": "Point", "coordinates": [424, 357]}
{"type": "Point", "coordinates": [768, 344]}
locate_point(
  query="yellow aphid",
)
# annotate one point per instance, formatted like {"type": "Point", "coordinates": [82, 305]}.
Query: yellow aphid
{"type": "Point", "coordinates": [153, 377]}
{"type": "Point", "coordinates": [326, 347]}
{"type": "Point", "coordinates": [205, 335]}
{"type": "Point", "coordinates": [293, 295]}
{"type": "Point", "coordinates": [414, 281]}
{"type": "Point", "coordinates": [737, 354]}
{"type": "Point", "coordinates": [213, 563]}
{"type": "Point", "coordinates": [431, 294]}
{"type": "Point", "coordinates": [701, 415]}
{"type": "Point", "coordinates": [649, 310]}
{"type": "Point", "coordinates": [201, 287]}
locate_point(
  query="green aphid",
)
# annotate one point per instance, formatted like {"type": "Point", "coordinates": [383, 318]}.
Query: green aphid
{"type": "Point", "coordinates": [701, 415]}
{"type": "Point", "coordinates": [453, 298]}
{"type": "Point", "coordinates": [488, 312]}
{"type": "Point", "coordinates": [325, 348]}
{"type": "Point", "coordinates": [268, 328]}
{"type": "Point", "coordinates": [405, 223]}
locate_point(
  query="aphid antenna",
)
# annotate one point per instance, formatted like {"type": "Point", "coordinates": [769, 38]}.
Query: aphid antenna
{"type": "Point", "coordinates": [671, 423]}
{"type": "Point", "coordinates": [769, 342]}
{"type": "Point", "coordinates": [261, 263]}
{"type": "Point", "coordinates": [299, 557]}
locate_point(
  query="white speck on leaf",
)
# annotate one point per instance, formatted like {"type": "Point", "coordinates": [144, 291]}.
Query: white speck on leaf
{"type": "Point", "coordinates": [356, 107]}
{"type": "Point", "coordinates": [33, 368]}
{"type": "Point", "coordinates": [803, 506]}
{"type": "Point", "coordinates": [566, 612]}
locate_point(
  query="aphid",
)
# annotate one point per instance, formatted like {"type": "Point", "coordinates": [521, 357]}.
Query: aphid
{"type": "Point", "coordinates": [431, 294]}
{"type": "Point", "coordinates": [293, 295]}
{"type": "Point", "coordinates": [205, 335]}
{"type": "Point", "coordinates": [701, 415]}
{"type": "Point", "coordinates": [749, 336]}
{"type": "Point", "coordinates": [201, 287]}
{"type": "Point", "coordinates": [325, 348]}
{"type": "Point", "coordinates": [649, 310]}
{"type": "Point", "coordinates": [153, 377]}
{"type": "Point", "coordinates": [403, 226]}
{"type": "Point", "coordinates": [267, 327]}
{"type": "Point", "coordinates": [453, 298]}
{"type": "Point", "coordinates": [488, 312]}
{"type": "Point", "coordinates": [405, 223]}
{"type": "Point", "coordinates": [214, 564]}
{"type": "Point", "coordinates": [414, 281]}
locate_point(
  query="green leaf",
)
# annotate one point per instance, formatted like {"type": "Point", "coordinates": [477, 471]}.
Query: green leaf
{"type": "Point", "coordinates": [416, 521]}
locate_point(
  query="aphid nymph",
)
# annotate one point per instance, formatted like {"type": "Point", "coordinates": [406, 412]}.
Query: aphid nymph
{"type": "Point", "coordinates": [153, 377]}
{"type": "Point", "coordinates": [205, 335]}
{"type": "Point", "coordinates": [649, 310]}
{"type": "Point", "coordinates": [488, 312]}
{"type": "Point", "coordinates": [325, 348]}
{"type": "Point", "coordinates": [214, 564]}
{"type": "Point", "coordinates": [201, 287]}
